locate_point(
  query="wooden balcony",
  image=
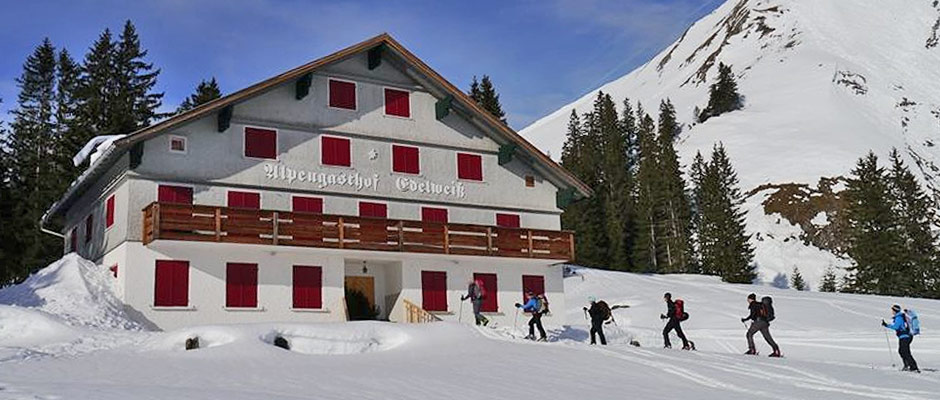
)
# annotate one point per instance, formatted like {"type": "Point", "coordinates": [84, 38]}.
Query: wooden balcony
{"type": "Point", "coordinates": [281, 228]}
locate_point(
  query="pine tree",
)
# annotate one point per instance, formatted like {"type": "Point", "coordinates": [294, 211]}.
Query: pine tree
{"type": "Point", "coordinates": [649, 212]}
{"type": "Point", "coordinates": [206, 91]}
{"type": "Point", "coordinates": [829, 283]}
{"type": "Point", "coordinates": [615, 180]}
{"type": "Point", "coordinates": [136, 103]}
{"type": "Point", "coordinates": [66, 118]}
{"type": "Point", "coordinates": [916, 213]}
{"type": "Point", "coordinates": [725, 247]}
{"type": "Point", "coordinates": [875, 239]}
{"type": "Point", "coordinates": [796, 280]}
{"type": "Point", "coordinates": [32, 183]}
{"type": "Point", "coordinates": [723, 95]}
{"type": "Point", "coordinates": [96, 93]}
{"type": "Point", "coordinates": [586, 217]}
{"type": "Point", "coordinates": [674, 200]}
{"type": "Point", "coordinates": [697, 176]}
{"type": "Point", "coordinates": [485, 95]}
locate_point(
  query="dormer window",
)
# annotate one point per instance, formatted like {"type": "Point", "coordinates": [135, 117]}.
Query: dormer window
{"type": "Point", "coordinates": [177, 144]}
{"type": "Point", "coordinates": [342, 94]}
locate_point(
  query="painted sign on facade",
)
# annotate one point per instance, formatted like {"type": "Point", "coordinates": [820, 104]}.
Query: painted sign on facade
{"type": "Point", "coordinates": [351, 178]}
{"type": "Point", "coordinates": [456, 190]}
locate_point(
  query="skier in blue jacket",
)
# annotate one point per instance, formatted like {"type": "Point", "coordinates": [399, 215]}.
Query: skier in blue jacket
{"type": "Point", "coordinates": [533, 304]}
{"type": "Point", "coordinates": [901, 328]}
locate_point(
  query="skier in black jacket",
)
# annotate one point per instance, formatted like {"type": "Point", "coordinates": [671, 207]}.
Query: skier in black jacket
{"type": "Point", "coordinates": [599, 312]}
{"type": "Point", "coordinates": [672, 324]}
{"type": "Point", "coordinates": [759, 324]}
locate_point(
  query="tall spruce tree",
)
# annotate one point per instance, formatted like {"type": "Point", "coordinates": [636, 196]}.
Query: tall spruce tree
{"type": "Point", "coordinates": [676, 244]}
{"type": "Point", "coordinates": [829, 282]}
{"type": "Point", "coordinates": [723, 95]}
{"type": "Point", "coordinates": [796, 280]}
{"type": "Point", "coordinates": [32, 155]}
{"type": "Point", "coordinates": [485, 95]}
{"type": "Point", "coordinates": [724, 242]}
{"type": "Point", "coordinates": [96, 94]}
{"type": "Point", "coordinates": [205, 92]}
{"type": "Point", "coordinates": [66, 119]}
{"type": "Point", "coordinates": [916, 213]}
{"type": "Point", "coordinates": [649, 211]}
{"type": "Point", "coordinates": [875, 237]}
{"type": "Point", "coordinates": [136, 103]}
{"type": "Point", "coordinates": [697, 176]}
{"type": "Point", "coordinates": [579, 155]}
{"type": "Point", "coordinates": [615, 180]}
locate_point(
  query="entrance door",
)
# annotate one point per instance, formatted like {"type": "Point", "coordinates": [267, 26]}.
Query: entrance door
{"type": "Point", "coordinates": [360, 297]}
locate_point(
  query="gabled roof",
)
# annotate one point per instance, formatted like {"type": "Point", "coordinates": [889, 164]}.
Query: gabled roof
{"type": "Point", "coordinates": [422, 72]}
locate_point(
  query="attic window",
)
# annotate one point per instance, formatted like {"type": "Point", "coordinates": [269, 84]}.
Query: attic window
{"type": "Point", "coordinates": [397, 103]}
{"type": "Point", "coordinates": [529, 181]}
{"type": "Point", "coordinates": [177, 144]}
{"type": "Point", "coordinates": [342, 94]}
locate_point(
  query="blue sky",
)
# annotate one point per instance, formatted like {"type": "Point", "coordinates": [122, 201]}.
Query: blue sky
{"type": "Point", "coordinates": [541, 55]}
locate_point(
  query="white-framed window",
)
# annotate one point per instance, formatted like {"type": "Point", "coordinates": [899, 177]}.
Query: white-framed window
{"type": "Point", "coordinates": [178, 144]}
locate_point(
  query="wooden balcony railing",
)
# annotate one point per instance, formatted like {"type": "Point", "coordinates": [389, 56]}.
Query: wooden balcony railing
{"type": "Point", "coordinates": [233, 225]}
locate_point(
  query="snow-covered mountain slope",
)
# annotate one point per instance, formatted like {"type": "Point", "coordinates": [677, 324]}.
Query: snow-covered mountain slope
{"type": "Point", "coordinates": [824, 81]}
{"type": "Point", "coordinates": [834, 347]}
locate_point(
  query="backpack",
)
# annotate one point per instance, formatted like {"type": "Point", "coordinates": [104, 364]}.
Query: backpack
{"type": "Point", "coordinates": [480, 290]}
{"type": "Point", "coordinates": [604, 309]}
{"type": "Point", "coordinates": [543, 304]}
{"type": "Point", "coordinates": [767, 308]}
{"type": "Point", "coordinates": [681, 315]}
{"type": "Point", "coordinates": [913, 323]}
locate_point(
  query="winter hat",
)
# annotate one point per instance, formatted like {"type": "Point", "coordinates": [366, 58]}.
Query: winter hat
{"type": "Point", "coordinates": [667, 295]}
{"type": "Point", "coordinates": [752, 296]}
{"type": "Point", "coordinates": [896, 308]}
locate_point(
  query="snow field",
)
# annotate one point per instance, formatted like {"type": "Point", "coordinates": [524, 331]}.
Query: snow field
{"type": "Point", "coordinates": [833, 343]}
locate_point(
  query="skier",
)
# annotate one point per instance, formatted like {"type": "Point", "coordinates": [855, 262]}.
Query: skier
{"type": "Point", "coordinates": [675, 315]}
{"type": "Point", "coordinates": [903, 330]}
{"type": "Point", "coordinates": [535, 305]}
{"type": "Point", "coordinates": [475, 293]}
{"type": "Point", "coordinates": [761, 313]}
{"type": "Point", "coordinates": [599, 312]}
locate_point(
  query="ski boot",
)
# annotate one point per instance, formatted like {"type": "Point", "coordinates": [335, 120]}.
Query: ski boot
{"type": "Point", "coordinates": [776, 354]}
{"type": "Point", "coordinates": [689, 346]}
{"type": "Point", "coordinates": [668, 346]}
{"type": "Point", "coordinates": [542, 339]}
{"type": "Point", "coordinates": [751, 352]}
{"type": "Point", "coordinates": [530, 337]}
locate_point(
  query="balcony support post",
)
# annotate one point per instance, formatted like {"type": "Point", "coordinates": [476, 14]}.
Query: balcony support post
{"type": "Point", "coordinates": [218, 224]}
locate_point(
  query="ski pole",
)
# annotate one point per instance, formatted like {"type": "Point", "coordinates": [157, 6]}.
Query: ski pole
{"type": "Point", "coordinates": [890, 354]}
{"type": "Point", "coordinates": [515, 320]}
{"type": "Point", "coordinates": [460, 314]}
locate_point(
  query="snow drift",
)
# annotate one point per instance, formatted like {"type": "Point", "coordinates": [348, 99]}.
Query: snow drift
{"type": "Point", "coordinates": [824, 81]}
{"type": "Point", "coordinates": [74, 290]}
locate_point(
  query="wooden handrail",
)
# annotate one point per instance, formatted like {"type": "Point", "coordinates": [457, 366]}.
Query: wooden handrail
{"type": "Point", "coordinates": [168, 221]}
{"type": "Point", "coordinates": [414, 314]}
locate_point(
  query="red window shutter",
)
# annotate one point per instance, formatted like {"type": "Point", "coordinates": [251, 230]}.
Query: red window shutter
{"type": "Point", "coordinates": [175, 194]}
{"type": "Point", "coordinates": [507, 220]}
{"type": "Point", "coordinates": [308, 204]}
{"type": "Point", "coordinates": [109, 212]}
{"type": "Point", "coordinates": [374, 210]}
{"type": "Point", "coordinates": [490, 303]}
{"type": "Point", "coordinates": [431, 214]}
{"type": "Point", "coordinates": [434, 290]}
{"type": "Point", "coordinates": [89, 227]}
{"type": "Point", "coordinates": [405, 159]}
{"type": "Point", "coordinates": [250, 200]}
{"type": "Point", "coordinates": [171, 283]}
{"type": "Point", "coordinates": [260, 143]}
{"type": "Point", "coordinates": [335, 151]}
{"type": "Point", "coordinates": [397, 103]}
{"type": "Point", "coordinates": [470, 166]}
{"type": "Point", "coordinates": [534, 283]}
{"type": "Point", "coordinates": [342, 94]}
{"type": "Point", "coordinates": [241, 285]}
{"type": "Point", "coordinates": [308, 287]}
{"type": "Point", "coordinates": [73, 240]}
